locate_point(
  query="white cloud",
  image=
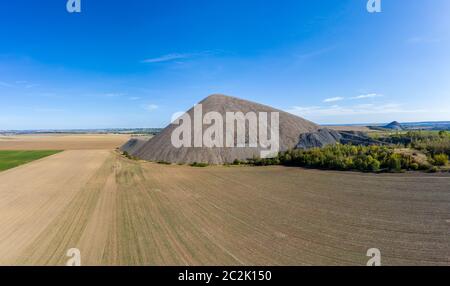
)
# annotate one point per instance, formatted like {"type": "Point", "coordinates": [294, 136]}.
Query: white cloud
{"type": "Point", "coordinates": [48, 110]}
{"type": "Point", "coordinates": [167, 58]}
{"type": "Point", "coordinates": [19, 84]}
{"type": "Point", "coordinates": [134, 98]}
{"type": "Point", "coordinates": [360, 106]}
{"type": "Point", "coordinates": [369, 113]}
{"type": "Point", "coordinates": [150, 107]}
{"type": "Point", "coordinates": [423, 40]}
{"type": "Point", "coordinates": [315, 53]}
{"type": "Point", "coordinates": [368, 95]}
{"type": "Point", "coordinates": [28, 86]}
{"type": "Point", "coordinates": [112, 94]}
{"type": "Point", "coordinates": [179, 56]}
{"type": "Point", "coordinates": [334, 99]}
{"type": "Point", "coordinates": [336, 110]}
{"type": "Point", "coordinates": [5, 84]}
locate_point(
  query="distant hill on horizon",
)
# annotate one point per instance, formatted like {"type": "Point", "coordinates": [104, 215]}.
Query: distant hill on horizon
{"type": "Point", "coordinates": [394, 125]}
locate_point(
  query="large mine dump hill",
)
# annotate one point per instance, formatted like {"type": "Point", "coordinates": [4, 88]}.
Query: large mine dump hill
{"type": "Point", "coordinates": [294, 132]}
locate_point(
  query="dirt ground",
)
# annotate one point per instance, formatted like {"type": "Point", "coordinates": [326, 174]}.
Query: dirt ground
{"type": "Point", "coordinates": [350, 128]}
{"type": "Point", "coordinates": [63, 142]}
{"type": "Point", "coordinates": [122, 212]}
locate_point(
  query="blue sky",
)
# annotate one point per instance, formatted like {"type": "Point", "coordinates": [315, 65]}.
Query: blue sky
{"type": "Point", "coordinates": [135, 63]}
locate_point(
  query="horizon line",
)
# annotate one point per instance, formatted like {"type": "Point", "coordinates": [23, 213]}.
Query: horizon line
{"type": "Point", "coordinates": [134, 128]}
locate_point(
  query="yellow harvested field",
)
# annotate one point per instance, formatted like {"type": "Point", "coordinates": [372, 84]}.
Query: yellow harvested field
{"type": "Point", "coordinates": [63, 142]}
{"type": "Point", "coordinates": [350, 128]}
{"type": "Point", "coordinates": [123, 212]}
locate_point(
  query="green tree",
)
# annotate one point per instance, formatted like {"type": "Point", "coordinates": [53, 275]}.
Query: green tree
{"type": "Point", "coordinates": [440, 159]}
{"type": "Point", "coordinates": [375, 165]}
{"type": "Point", "coordinates": [395, 163]}
{"type": "Point", "coordinates": [414, 166]}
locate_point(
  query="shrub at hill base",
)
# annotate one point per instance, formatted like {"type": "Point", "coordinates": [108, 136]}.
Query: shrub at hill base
{"type": "Point", "coordinates": [440, 159]}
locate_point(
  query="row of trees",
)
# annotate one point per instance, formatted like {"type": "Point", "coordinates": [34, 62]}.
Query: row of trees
{"type": "Point", "coordinates": [344, 157]}
{"type": "Point", "coordinates": [433, 146]}
{"type": "Point", "coordinates": [431, 142]}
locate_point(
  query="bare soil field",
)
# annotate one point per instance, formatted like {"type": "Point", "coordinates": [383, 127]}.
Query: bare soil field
{"type": "Point", "coordinates": [123, 212]}
{"type": "Point", "coordinates": [63, 142]}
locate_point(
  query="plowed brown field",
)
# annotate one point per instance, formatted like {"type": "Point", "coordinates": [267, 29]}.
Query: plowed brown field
{"type": "Point", "coordinates": [63, 142]}
{"type": "Point", "coordinates": [122, 212]}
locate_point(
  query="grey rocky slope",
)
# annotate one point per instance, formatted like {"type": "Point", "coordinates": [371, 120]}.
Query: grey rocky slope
{"type": "Point", "coordinates": [133, 145]}
{"type": "Point", "coordinates": [319, 138]}
{"type": "Point", "coordinates": [324, 137]}
{"type": "Point", "coordinates": [159, 148]}
{"type": "Point", "coordinates": [394, 126]}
